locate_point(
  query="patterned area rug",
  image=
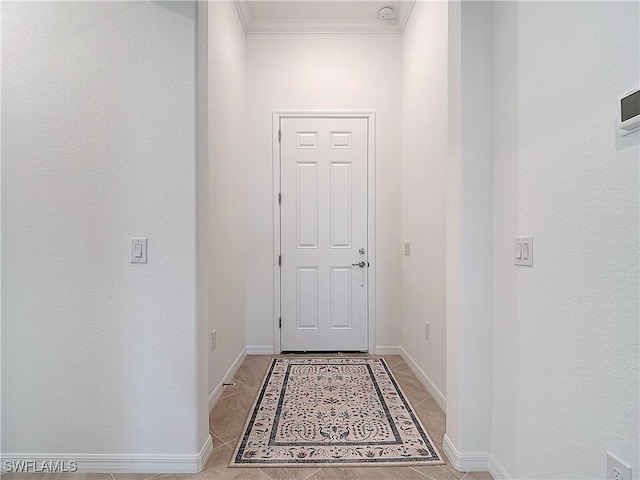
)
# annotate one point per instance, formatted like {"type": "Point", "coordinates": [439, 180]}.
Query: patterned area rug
{"type": "Point", "coordinates": [332, 412]}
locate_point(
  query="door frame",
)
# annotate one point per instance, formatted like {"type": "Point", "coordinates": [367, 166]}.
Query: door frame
{"type": "Point", "coordinates": [371, 213]}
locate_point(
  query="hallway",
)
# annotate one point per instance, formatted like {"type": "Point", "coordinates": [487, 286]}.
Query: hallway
{"type": "Point", "coordinates": [155, 123]}
{"type": "Point", "coordinates": [228, 417]}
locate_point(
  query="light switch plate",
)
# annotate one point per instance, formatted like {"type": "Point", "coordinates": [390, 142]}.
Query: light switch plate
{"type": "Point", "coordinates": [523, 251]}
{"type": "Point", "coordinates": [407, 249]}
{"type": "Point", "coordinates": [138, 250]}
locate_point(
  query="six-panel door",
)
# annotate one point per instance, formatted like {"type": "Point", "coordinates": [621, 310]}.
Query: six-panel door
{"type": "Point", "coordinates": [323, 230]}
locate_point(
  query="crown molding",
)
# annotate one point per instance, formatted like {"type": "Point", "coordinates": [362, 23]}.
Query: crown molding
{"type": "Point", "coordinates": [274, 26]}
{"type": "Point", "coordinates": [244, 13]}
{"type": "Point", "coordinates": [404, 12]}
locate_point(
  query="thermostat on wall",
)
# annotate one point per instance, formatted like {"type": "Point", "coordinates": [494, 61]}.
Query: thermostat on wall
{"type": "Point", "coordinates": [630, 111]}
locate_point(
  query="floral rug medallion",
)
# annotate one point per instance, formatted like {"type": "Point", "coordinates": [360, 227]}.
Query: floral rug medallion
{"type": "Point", "coordinates": [332, 411]}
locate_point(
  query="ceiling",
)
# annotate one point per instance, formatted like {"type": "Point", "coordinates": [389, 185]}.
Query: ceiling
{"type": "Point", "coordinates": [328, 16]}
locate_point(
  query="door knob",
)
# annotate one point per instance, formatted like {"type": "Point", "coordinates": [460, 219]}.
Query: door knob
{"type": "Point", "coordinates": [359, 264]}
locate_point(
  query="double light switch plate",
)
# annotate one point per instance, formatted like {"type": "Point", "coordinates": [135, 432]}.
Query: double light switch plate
{"type": "Point", "coordinates": [523, 251]}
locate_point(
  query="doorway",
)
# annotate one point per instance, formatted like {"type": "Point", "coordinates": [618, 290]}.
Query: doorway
{"type": "Point", "coordinates": [324, 219]}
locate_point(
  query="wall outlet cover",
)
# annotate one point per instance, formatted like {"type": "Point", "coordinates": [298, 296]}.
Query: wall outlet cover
{"type": "Point", "coordinates": [617, 469]}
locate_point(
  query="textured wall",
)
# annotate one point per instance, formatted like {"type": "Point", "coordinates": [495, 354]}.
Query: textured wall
{"type": "Point", "coordinates": [469, 227]}
{"type": "Point", "coordinates": [98, 146]}
{"type": "Point", "coordinates": [227, 167]}
{"type": "Point", "coordinates": [322, 72]}
{"type": "Point", "coordinates": [424, 155]}
{"type": "Point", "coordinates": [565, 369]}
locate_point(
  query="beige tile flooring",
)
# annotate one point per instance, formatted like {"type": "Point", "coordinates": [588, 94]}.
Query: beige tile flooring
{"type": "Point", "coordinates": [227, 419]}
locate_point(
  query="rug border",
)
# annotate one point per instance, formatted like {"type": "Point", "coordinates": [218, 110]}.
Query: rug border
{"type": "Point", "coordinates": [417, 463]}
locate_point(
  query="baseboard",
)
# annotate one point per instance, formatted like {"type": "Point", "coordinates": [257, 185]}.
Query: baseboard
{"type": "Point", "coordinates": [217, 392]}
{"type": "Point", "coordinates": [120, 463]}
{"type": "Point", "coordinates": [437, 395]}
{"type": "Point", "coordinates": [205, 453]}
{"type": "Point", "coordinates": [496, 470]}
{"type": "Point", "coordinates": [465, 462]}
{"type": "Point", "coordinates": [259, 349]}
{"type": "Point", "coordinates": [387, 350]}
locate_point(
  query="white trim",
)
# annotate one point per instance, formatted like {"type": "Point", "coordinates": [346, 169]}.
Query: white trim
{"type": "Point", "coordinates": [388, 350]}
{"type": "Point", "coordinates": [371, 223]}
{"type": "Point", "coordinates": [371, 234]}
{"type": "Point", "coordinates": [124, 463]}
{"type": "Point", "coordinates": [205, 453]}
{"type": "Point", "coordinates": [404, 12]}
{"type": "Point", "coordinates": [322, 25]}
{"type": "Point", "coordinates": [496, 470]}
{"type": "Point", "coordinates": [259, 349]}
{"type": "Point", "coordinates": [437, 395]}
{"type": "Point", "coordinates": [244, 13]}
{"type": "Point", "coordinates": [217, 392]}
{"type": "Point", "coordinates": [275, 165]}
{"type": "Point", "coordinates": [465, 462]}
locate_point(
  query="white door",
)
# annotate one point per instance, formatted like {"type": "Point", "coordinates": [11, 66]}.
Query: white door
{"type": "Point", "coordinates": [324, 250]}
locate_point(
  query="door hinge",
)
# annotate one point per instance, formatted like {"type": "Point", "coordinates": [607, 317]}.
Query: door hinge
{"type": "Point", "coordinates": [280, 322]}
{"type": "Point", "coordinates": [279, 198]}
{"type": "Point", "coordinates": [279, 135]}
{"type": "Point", "coordinates": [279, 259]}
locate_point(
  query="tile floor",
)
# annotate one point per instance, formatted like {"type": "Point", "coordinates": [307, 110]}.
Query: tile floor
{"type": "Point", "coordinates": [227, 419]}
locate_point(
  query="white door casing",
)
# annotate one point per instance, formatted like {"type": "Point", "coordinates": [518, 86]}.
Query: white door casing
{"type": "Point", "coordinates": [324, 171]}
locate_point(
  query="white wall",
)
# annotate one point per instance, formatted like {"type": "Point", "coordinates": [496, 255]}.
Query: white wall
{"type": "Point", "coordinates": [322, 72]}
{"type": "Point", "coordinates": [227, 179]}
{"type": "Point", "coordinates": [424, 155]}
{"type": "Point", "coordinates": [565, 359]}
{"type": "Point", "coordinates": [469, 229]}
{"type": "Point", "coordinates": [98, 146]}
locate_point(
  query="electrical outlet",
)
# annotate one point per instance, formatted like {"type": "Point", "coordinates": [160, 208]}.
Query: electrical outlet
{"type": "Point", "coordinates": [426, 330]}
{"type": "Point", "coordinates": [616, 469]}
{"type": "Point", "coordinates": [213, 340]}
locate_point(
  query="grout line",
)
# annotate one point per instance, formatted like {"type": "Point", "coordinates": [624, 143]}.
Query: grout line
{"type": "Point", "coordinates": [425, 398]}
{"type": "Point", "coordinates": [235, 393]}
{"type": "Point", "coordinates": [312, 474]}
{"type": "Point", "coordinates": [145, 478]}
{"type": "Point", "coordinates": [421, 473]}
{"type": "Point", "coordinates": [245, 384]}
{"type": "Point", "coordinates": [223, 442]}
{"type": "Point", "coordinates": [409, 373]}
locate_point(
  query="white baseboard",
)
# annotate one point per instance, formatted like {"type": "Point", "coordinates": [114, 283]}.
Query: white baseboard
{"type": "Point", "coordinates": [217, 392]}
{"type": "Point", "coordinates": [120, 463]}
{"type": "Point", "coordinates": [437, 395]}
{"type": "Point", "coordinates": [465, 462]}
{"type": "Point", "coordinates": [259, 349]}
{"type": "Point", "coordinates": [205, 453]}
{"type": "Point", "coordinates": [496, 470]}
{"type": "Point", "coordinates": [388, 350]}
